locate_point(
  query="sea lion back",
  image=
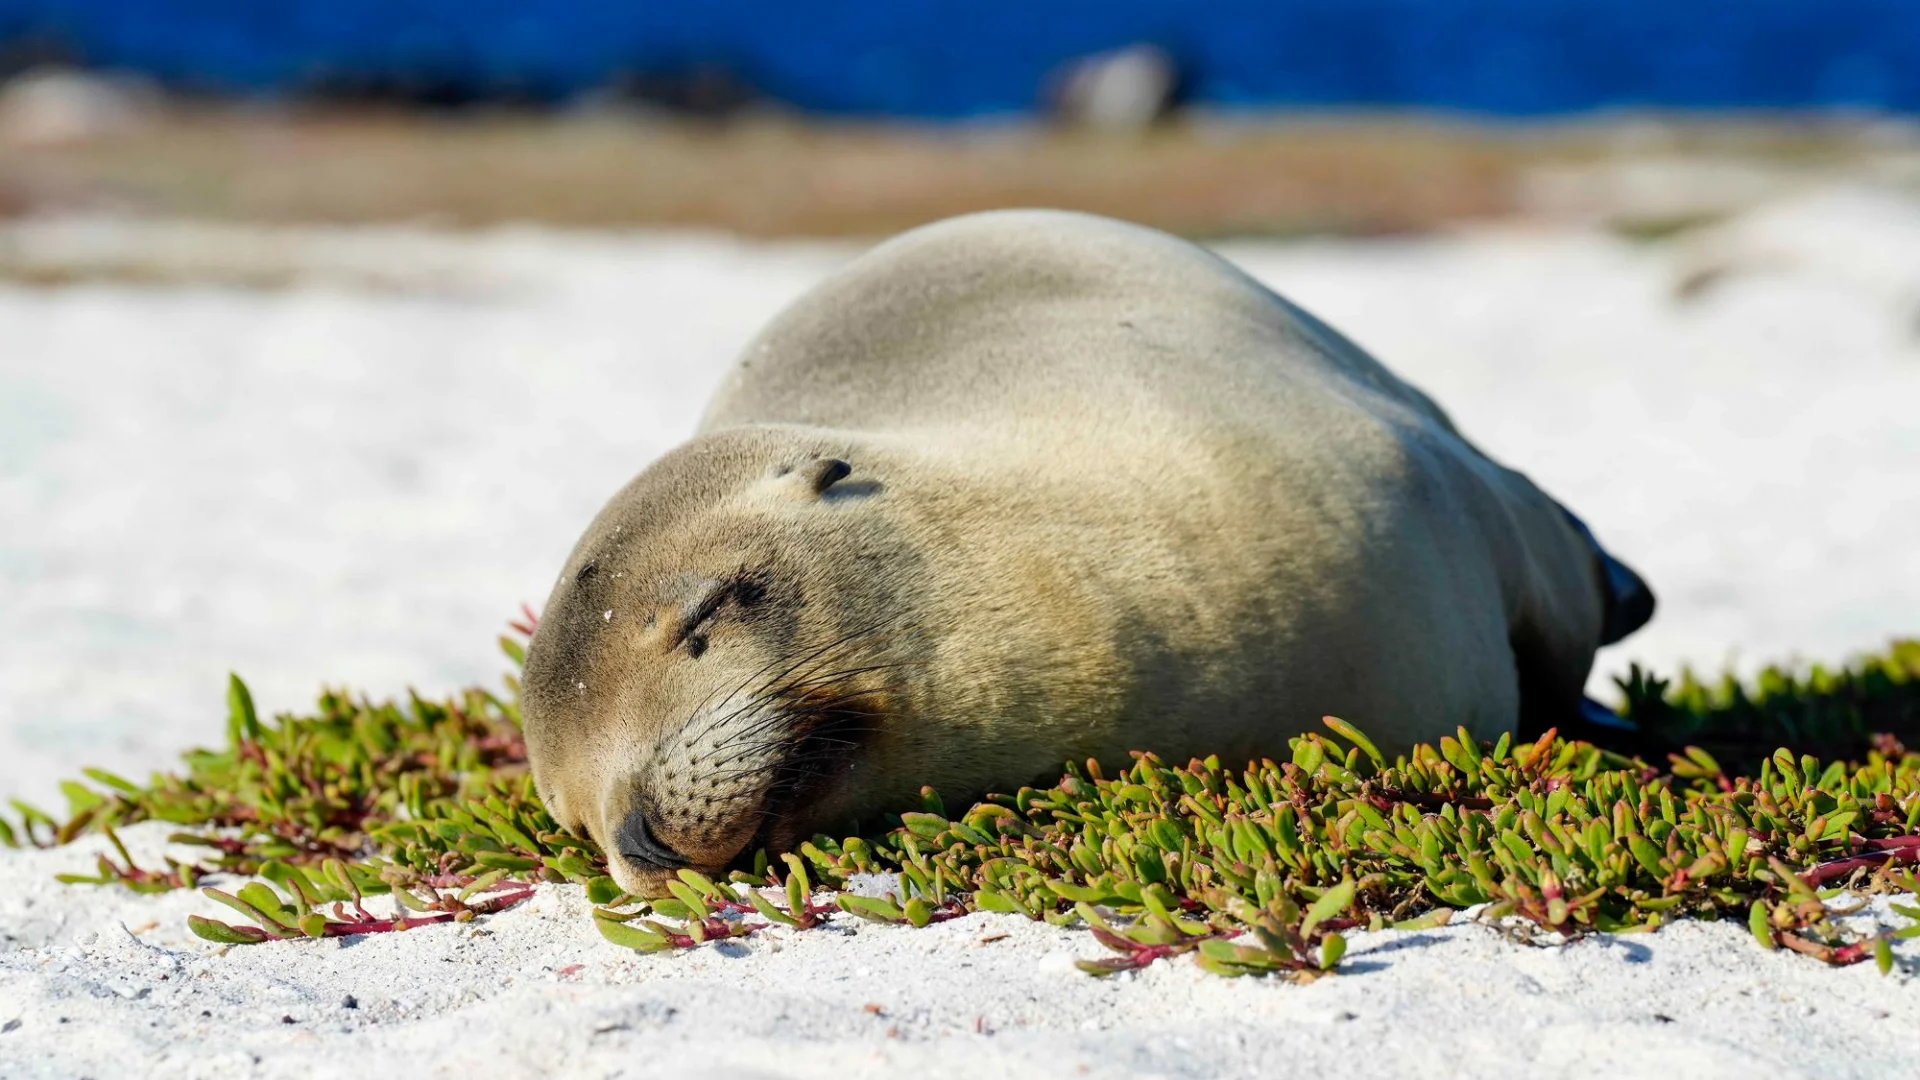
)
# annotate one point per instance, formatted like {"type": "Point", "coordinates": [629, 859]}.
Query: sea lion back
{"type": "Point", "coordinates": [1016, 312]}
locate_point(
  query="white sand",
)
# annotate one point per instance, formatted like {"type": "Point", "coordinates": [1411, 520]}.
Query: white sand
{"type": "Point", "coordinates": [101, 990]}
{"type": "Point", "coordinates": [356, 479]}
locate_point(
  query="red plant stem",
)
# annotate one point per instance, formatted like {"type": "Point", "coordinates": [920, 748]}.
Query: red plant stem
{"type": "Point", "coordinates": [528, 624]}
{"type": "Point", "coordinates": [1384, 798]}
{"type": "Point", "coordinates": [361, 913]}
{"type": "Point", "coordinates": [1141, 955]}
{"type": "Point", "coordinates": [458, 881]}
{"type": "Point", "coordinates": [1147, 954]}
{"type": "Point", "coordinates": [507, 896]}
{"type": "Point", "coordinates": [226, 845]}
{"type": "Point", "coordinates": [1838, 955]}
{"type": "Point", "coordinates": [1895, 852]}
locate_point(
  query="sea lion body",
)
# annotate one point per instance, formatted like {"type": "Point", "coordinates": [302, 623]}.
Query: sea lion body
{"type": "Point", "coordinates": [1027, 487]}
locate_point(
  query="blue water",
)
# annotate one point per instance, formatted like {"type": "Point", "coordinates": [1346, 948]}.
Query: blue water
{"type": "Point", "coordinates": [952, 59]}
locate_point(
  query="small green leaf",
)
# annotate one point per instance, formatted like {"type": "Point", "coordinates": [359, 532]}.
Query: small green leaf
{"type": "Point", "coordinates": [629, 936]}
{"type": "Point", "coordinates": [797, 872]}
{"type": "Point", "coordinates": [868, 907]}
{"type": "Point", "coordinates": [925, 826]}
{"type": "Point", "coordinates": [243, 724]}
{"type": "Point", "coordinates": [245, 906]}
{"type": "Point", "coordinates": [930, 800]}
{"type": "Point", "coordinates": [768, 911]}
{"type": "Point", "coordinates": [1434, 918]}
{"type": "Point", "coordinates": [514, 650]}
{"type": "Point", "coordinates": [993, 900]}
{"type": "Point", "coordinates": [704, 885]}
{"type": "Point", "coordinates": [1352, 734]}
{"type": "Point", "coordinates": [107, 779]}
{"type": "Point", "coordinates": [223, 933]}
{"type": "Point", "coordinates": [1332, 948]}
{"type": "Point", "coordinates": [695, 902]}
{"type": "Point", "coordinates": [1759, 925]}
{"type": "Point", "coordinates": [1331, 903]}
{"type": "Point", "coordinates": [1646, 854]}
{"type": "Point", "coordinates": [672, 909]}
{"type": "Point", "coordinates": [918, 912]}
{"type": "Point", "coordinates": [80, 798]}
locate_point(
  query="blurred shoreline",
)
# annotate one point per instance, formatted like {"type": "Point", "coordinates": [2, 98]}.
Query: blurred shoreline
{"type": "Point", "coordinates": [1286, 175]}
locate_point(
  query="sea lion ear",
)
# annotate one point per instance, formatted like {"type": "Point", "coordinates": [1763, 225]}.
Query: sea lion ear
{"type": "Point", "coordinates": [818, 475]}
{"type": "Point", "coordinates": [811, 479]}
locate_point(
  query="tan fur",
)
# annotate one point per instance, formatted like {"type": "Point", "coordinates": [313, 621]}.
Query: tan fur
{"type": "Point", "coordinates": [1105, 493]}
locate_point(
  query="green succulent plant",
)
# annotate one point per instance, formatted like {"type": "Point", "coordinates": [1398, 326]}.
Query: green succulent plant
{"type": "Point", "coordinates": [1257, 869]}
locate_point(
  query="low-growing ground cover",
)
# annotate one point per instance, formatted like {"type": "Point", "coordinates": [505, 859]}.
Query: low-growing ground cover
{"type": "Point", "coordinates": [1781, 801]}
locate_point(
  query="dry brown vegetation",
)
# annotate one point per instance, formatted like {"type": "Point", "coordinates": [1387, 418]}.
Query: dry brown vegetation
{"type": "Point", "coordinates": [778, 177]}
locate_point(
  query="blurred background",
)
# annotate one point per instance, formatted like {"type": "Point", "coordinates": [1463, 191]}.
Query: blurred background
{"type": "Point", "coordinates": [326, 325]}
{"type": "Point", "coordinates": [1280, 117]}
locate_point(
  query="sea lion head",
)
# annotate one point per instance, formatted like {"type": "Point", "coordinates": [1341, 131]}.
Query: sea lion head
{"type": "Point", "coordinates": [718, 661]}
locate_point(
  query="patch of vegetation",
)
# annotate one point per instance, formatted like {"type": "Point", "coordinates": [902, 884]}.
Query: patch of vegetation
{"type": "Point", "coordinates": [1659, 228]}
{"type": "Point", "coordinates": [1254, 871]}
{"type": "Point", "coordinates": [1871, 704]}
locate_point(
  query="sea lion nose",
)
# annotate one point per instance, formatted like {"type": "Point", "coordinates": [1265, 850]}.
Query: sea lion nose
{"type": "Point", "coordinates": [638, 845]}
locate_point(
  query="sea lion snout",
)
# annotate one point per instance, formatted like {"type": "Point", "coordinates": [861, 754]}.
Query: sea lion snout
{"type": "Point", "coordinates": [635, 842]}
{"type": "Point", "coordinates": [760, 764]}
{"type": "Point", "coordinates": [693, 796]}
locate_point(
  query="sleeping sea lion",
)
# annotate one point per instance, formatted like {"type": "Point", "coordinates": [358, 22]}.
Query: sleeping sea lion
{"type": "Point", "coordinates": [1026, 487]}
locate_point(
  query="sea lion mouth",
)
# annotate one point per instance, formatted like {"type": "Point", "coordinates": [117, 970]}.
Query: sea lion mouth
{"type": "Point", "coordinates": [829, 734]}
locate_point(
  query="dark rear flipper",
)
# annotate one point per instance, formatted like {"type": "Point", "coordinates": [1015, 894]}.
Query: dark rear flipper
{"type": "Point", "coordinates": [1629, 603]}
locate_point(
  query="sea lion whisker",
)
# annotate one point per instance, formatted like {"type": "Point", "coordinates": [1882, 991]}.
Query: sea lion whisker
{"type": "Point", "coordinates": [808, 667]}
{"type": "Point", "coordinates": [865, 635]}
{"type": "Point", "coordinates": [786, 707]}
{"type": "Point", "coordinates": [824, 686]}
{"type": "Point", "coordinates": [747, 704]}
{"type": "Point", "coordinates": [845, 639]}
{"type": "Point", "coordinates": [831, 677]}
{"type": "Point", "coordinates": [712, 720]}
{"type": "Point", "coordinates": [801, 728]}
{"type": "Point", "coordinates": [804, 727]}
{"type": "Point", "coordinates": [715, 719]}
{"type": "Point", "coordinates": [796, 714]}
{"type": "Point", "coordinates": [799, 725]}
{"type": "Point", "coordinates": [717, 694]}
{"type": "Point", "coordinates": [825, 679]}
{"type": "Point", "coordinates": [761, 673]}
{"type": "Point", "coordinates": [747, 773]}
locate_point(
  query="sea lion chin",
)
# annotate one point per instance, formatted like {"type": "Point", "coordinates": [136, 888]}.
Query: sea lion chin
{"type": "Point", "coordinates": [1028, 487]}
